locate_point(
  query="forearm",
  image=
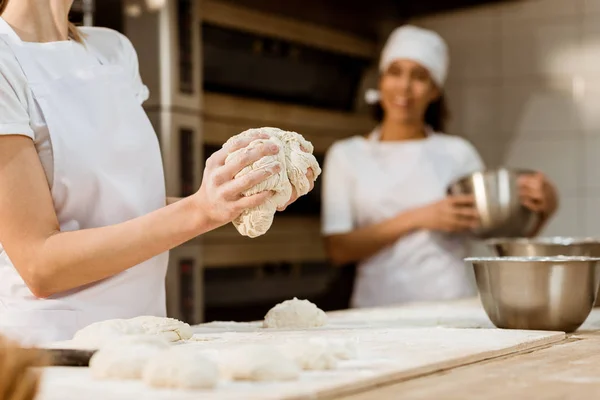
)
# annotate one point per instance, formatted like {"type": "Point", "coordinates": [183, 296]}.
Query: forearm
{"type": "Point", "coordinates": [366, 242]}
{"type": "Point", "coordinates": [67, 260]}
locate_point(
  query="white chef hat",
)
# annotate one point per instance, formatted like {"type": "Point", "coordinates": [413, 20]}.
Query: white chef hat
{"type": "Point", "coordinates": [420, 45]}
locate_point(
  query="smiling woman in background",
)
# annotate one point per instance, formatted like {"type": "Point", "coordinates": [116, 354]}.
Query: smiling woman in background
{"type": "Point", "coordinates": [384, 196]}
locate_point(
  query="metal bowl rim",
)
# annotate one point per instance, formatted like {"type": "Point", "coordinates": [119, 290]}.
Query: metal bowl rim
{"type": "Point", "coordinates": [492, 171]}
{"type": "Point", "coordinates": [542, 259]}
{"type": "Point", "coordinates": [550, 240]}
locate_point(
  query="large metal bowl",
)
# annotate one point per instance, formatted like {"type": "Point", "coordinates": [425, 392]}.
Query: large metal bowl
{"type": "Point", "coordinates": [539, 293]}
{"type": "Point", "coordinates": [544, 247]}
{"type": "Point", "coordinates": [498, 203]}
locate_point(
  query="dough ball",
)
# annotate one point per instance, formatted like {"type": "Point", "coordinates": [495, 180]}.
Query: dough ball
{"type": "Point", "coordinates": [181, 368]}
{"type": "Point", "coordinates": [295, 157]}
{"type": "Point", "coordinates": [310, 355]}
{"type": "Point", "coordinates": [342, 349]}
{"type": "Point", "coordinates": [126, 357]}
{"type": "Point", "coordinates": [99, 334]}
{"type": "Point", "coordinates": [295, 314]}
{"type": "Point", "coordinates": [170, 329]}
{"type": "Point", "coordinates": [258, 363]}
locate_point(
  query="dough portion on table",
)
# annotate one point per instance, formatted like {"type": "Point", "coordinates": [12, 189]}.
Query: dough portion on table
{"type": "Point", "coordinates": [100, 334]}
{"type": "Point", "coordinates": [295, 157]}
{"type": "Point", "coordinates": [181, 368]}
{"type": "Point", "coordinates": [256, 363]}
{"type": "Point", "coordinates": [126, 357]}
{"type": "Point", "coordinates": [310, 355]}
{"type": "Point", "coordinates": [295, 314]}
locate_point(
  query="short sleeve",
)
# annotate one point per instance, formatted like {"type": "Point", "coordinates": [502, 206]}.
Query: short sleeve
{"type": "Point", "coordinates": [14, 115]}
{"type": "Point", "coordinates": [471, 161]}
{"type": "Point", "coordinates": [131, 64]}
{"type": "Point", "coordinates": [337, 214]}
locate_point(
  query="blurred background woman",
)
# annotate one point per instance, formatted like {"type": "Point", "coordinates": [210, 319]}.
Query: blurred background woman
{"type": "Point", "coordinates": [384, 195]}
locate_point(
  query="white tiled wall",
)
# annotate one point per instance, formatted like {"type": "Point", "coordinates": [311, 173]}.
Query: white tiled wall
{"type": "Point", "coordinates": [524, 87]}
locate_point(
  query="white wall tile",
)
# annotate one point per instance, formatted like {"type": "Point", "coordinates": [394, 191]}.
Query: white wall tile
{"type": "Point", "coordinates": [537, 48]}
{"type": "Point", "coordinates": [540, 109]}
{"type": "Point", "coordinates": [589, 106]}
{"type": "Point", "coordinates": [590, 45]}
{"type": "Point", "coordinates": [591, 166]}
{"type": "Point", "coordinates": [591, 7]}
{"type": "Point", "coordinates": [540, 9]}
{"type": "Point", "coordinates": [558, 159]}
{"type": "Point", "coordinates": [591, 212]}
{"type": "Point", "coordinates": [475, 60]}
{"type": "Point", "coordinates": [566, 221]}
{"type": "Point", "coordinates": [481, 109]}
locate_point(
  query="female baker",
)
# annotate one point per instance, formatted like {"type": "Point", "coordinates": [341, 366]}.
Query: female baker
{"type": "Point", "coordinates": [384, 202]}
{"type": "Point", "coordinates": [85, 224]}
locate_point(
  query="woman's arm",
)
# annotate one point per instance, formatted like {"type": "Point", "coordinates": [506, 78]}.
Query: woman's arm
{"type": "Point", "coordinates": [452, 214]}
{"type": "Point", "coordinates": [51, 261]}
{"type": "Point", "coordinates": [539, 195]}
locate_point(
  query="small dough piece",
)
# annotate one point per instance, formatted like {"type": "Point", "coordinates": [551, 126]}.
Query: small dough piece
{"type": "Point", "coordinates": [181, 368]}
{"type": "Point", "coordinates": [295, 157]}
{"type": "Point", "coordinates": [171, 329]}
{"type": "Point", "coordinates": [295, 314]}
{"type": "Point", "coordinates": [257, 363]}
{"type": "Point", "coordinates": [342, 349]}
{"type": "Point", "coordinates": [126, 357]}
{"type": "Point", "coordinates": [310, 355]}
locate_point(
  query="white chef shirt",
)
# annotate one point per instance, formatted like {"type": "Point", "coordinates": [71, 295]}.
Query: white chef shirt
{"type": "Point", "coordinates": [19, 112]}
{"type": "Point", "coordinates": [366, 181]}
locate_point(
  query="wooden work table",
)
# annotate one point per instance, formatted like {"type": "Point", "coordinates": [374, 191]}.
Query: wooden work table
{"type": "Point", "coordinates": [420, 351]}
{"type": "Point", "coordinates": [569, 369]}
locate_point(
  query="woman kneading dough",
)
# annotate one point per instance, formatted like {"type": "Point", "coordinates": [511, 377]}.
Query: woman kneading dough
{"type": "Point", "coordinates": [385, 203]}
{"type": "Point", "coordinates": [86, 226]}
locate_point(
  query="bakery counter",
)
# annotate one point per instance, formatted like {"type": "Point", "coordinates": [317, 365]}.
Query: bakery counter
{"type": "Point", "coordinates": [434, 350]}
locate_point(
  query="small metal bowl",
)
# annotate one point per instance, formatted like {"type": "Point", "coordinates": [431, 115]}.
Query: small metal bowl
{"type": "Point", "coordinates": [498, 203]}
{"type": "Point", "coordinates": [537, 293]}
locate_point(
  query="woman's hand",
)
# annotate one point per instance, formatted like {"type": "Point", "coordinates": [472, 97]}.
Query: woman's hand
{"type": "Point", "coordinates": [220, 198]}
{"type": "Point", "coordinates": [452, 214]}
{"type": "Point", "coordinates": [538, 194]}
{"type": "Point", "coordinates": [310, 175]}
{"type": "Point", "coordinates": [311, 178]}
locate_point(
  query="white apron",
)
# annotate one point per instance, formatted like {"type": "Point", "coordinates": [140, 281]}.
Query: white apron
{"type": "Point", "coordinates": [107, 169]}
{"type": "Point", "coordinates": [423, 265]}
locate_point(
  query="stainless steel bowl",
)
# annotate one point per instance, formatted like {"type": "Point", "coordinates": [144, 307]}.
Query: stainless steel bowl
{"type": "Point", "coordinates": [539, 293]}
{"type": "Point", "coordinates": [498, 203]}
{"type": "Point", "coordinates": [546, 247]}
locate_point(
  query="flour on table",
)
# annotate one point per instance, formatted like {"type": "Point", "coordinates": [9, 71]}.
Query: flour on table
{"type": "Point", "coordinates": [99, 334]}
{"type": "Point", "coordinates": [257, 363]}
{"type": "Point", "coordinates": [181, 368]}
{"type": "Point", "coordinates": [310, 355]}
{"type": "Point", "coordinates": [126, 357]}
{"type": "Point", "coordinates": [295, 157]}
{"type": "Point", "coordinates": [295, 313]}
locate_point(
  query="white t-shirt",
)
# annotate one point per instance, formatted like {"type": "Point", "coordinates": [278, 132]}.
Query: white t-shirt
{"type": "Point", "coordinates": [20, 113]}
{"type": "Point", "coordinates": [366, 181]}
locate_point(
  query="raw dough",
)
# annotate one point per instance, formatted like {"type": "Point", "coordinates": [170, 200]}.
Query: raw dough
{"type": "Point", "coordinates": [310, 355]}
{"type": "Point", "coordinates": [126, 357]}
{"type": "Point", "coordinates": [181, 368]}
{"type": "Point", "coordinates": [297, 314]}
{"type": "Point", "coordinates": [342, 349]}
{"type": "Point", "coordinates": [257, 363]}
{"type": "Point", "coordinates": [99, 334]}
{"type": "Point", "coordinates": [295, 157]}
